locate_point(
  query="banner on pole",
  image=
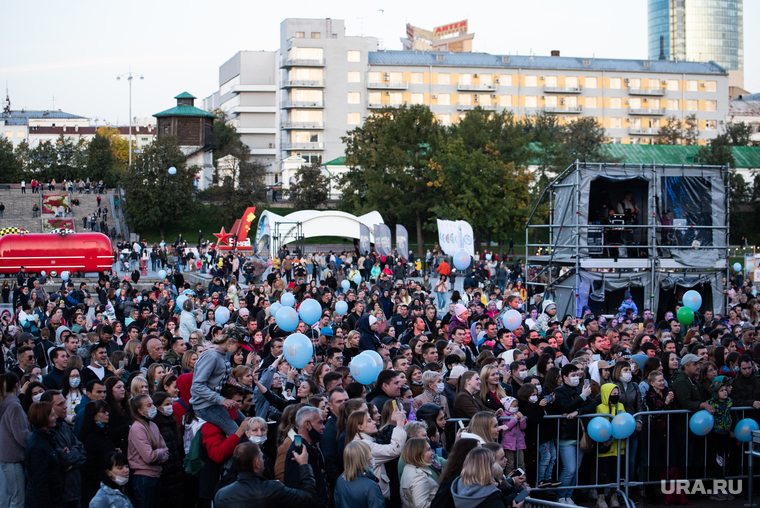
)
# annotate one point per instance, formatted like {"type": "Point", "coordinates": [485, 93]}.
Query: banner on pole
{"type": "Point", "coordinates": [382, 239]}
{"type": "Point", "coordinates": [454, 236]}
{"type": "Point", "coordinates": [364, 245]}
{"type": "Point", "coordinates": [402, 242]}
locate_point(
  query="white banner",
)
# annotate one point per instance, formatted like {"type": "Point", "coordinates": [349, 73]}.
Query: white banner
{"type": "Point", "coordinates": [454, 236]}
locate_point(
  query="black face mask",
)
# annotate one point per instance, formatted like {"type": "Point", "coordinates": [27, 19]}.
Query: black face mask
{"type": "Point", "coordinates": [315, 436]}
{"type": "Point", "coordinates": [614, 399]}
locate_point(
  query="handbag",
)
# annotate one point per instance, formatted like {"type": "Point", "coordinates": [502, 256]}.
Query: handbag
{"type": "Point", "coordinates": [586, 443]}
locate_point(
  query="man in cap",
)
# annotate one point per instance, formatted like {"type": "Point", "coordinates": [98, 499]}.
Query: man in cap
{"type": "Point", "coordinates": [450, 387]}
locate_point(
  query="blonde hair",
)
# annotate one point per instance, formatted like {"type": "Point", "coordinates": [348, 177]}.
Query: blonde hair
{"type": "Point", "coordinates": [136, 387]}
{"type": "Point", "coordinates": [356, 457]}
{"type": "Point", "coordinates": [478, 467]}
{"type": "Point", "coordinates": [481, 424]}
{"type": "Point", "coordinates": [238, 372]}
{"type": "Point", "coordinates": [350, 335]}
{"type": "Point", "coordinates": [485, 372]}
{"type": "Point", "coordinates": [222, 338]}
{"type": "Point", "coordinates": [414, 452]}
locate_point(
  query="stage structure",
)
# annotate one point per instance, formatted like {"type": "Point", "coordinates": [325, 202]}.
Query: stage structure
{"type": "Point", "coordinates": [654, 229]}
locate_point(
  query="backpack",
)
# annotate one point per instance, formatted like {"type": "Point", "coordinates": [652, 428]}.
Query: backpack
{"type": "Point", "coordinates": [193, 461]}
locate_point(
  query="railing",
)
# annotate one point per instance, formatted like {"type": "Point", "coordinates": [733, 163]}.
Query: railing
{"type": "Point", "coordinates": [380, 105]}
{"type": "Point", "coordinates": [303, 104]}
{"type": "Point", "coordinates": [563, 89]}
{"type": "Point", "coordinates": [650, 111]}
{"type": "Point", "coordinates": [304, 83]}
{"type": "Point", "coordinates": [467, 107]}
{"type": "Point", "coordinates": [642, 132]}
{"type": "Point", "coordinates": [647, 91]}
{"type": "Point", "coordinates": [388, 85]}
{"type": "Point", "coordinates": [477, 88]}
{"type": "Point", "coordinates": [303, 125]}
{"type": "Point", "coordinates": [303, 146]}
{"type": "Point", "coordinates": [303, 62]}
{"type": "Point", "coordinates": [563, 109]}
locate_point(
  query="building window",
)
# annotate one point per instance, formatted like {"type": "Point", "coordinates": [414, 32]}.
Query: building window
{"type": "Point", "coordinates": [531, 101]}
{"type": "Point", "coordinates": [616, 83]}
{"type": "Point", "coordinates": [654, 103]}
{"type": "Point", "coordinates": [354, 118]}
{"type": "Point", "coordinates": [571, 81]}
{"type": "Point", "coordinates": [616, 123]}
{"type": "Point", "coordinates": [692, 105]}
{"type": "Point", "coordinates": [551, 81]}
{"type": "Point", "coordinates": [375, 97]}
{"type": "Point", "coordinates": [551, 100]}
{"type": "Point", "coordinates": [711, 105]}
{"type": "Point", "coordinates": [634, 103]}
{"type": "Point", "coordinates": [300, 35]}
{"type": "Point", "coordinates": [711, 125]}
{"type": "Point", "coordinates": [354, 56]}
{"type": "Point", "coordinates": [616, 103]}
{"type": "Point", "coordinates": [485, 100]}
{"type": "Point", "coordinates": [591, 83]}
{"type": "Point", "coordinates": [305, 53]}
{"type": "Point", "coordinates": [316, 35]}
{"type": "Point", "coordinates": [531, 80]}
{"type": "Point", "coordinates": [711, 86]}
{"type": "Point", "coordinates": [20, 134]}
{"type": "Point", "coordinates": [444, 78]}
{"type": "Point", "coordinates": [417, 78]}
{"type": "Point", "coordinates": [306, 95]}
{"type": "Point", "coordinates": [354, 76]}
{"type": "Point", "coordinates": [634, 83]}
{"type": "Point", "coordinates": [397, 98]}
{"type": "Point", "coordinates": [465, 99]}
{"type": "Point", "coordinates": [505, 101]}
{"type": "Point", "coordinates": [8, 134]}
{"type": "Point", "coordinates": [444, 119]}
{"type": "Point", "coordinates": [305, 74]}
{"type": "Point", "coordinates": [374, 77]}
{"type": "Point", "coordinates": [417, 98]}
{"type": "Point", "coordinates": [674, 104]}
{"type": "Point", "coordinates": [444, 99]}
{"type": "Point", "coordinates": [692, 86]}
{"type": "Point", "coordinates": [354, 97]}
{"type": "Point", "coordinates": [397, 77]}
{"type": "Point", "coordinates": [673, 85]}
{"type": "Point", "coordinates": [486, 79]}
{"type": "Point", "coordinates": [505, 80]}
{"type": "Point", "coordinates": [305, 115]}
{"type": "Point", "coordinates": [465, 79]}
{"type": "Point", "coordinates": [590, 102]}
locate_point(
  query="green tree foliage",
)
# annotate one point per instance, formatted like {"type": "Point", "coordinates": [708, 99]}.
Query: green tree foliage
{"type": "Point", "coordinates": [102, 162]}
{"type": "Point", "coordinates": [585, 141]}
{"type": "Point", "coordinates": [718, 152]}
{"type": "Point", "coordinates": [670, 132]}
{"type": "Point", "coordinates": [154, 199]}
{"type": "Point", "coordinates": [388, 160]}
{"type": "Point", "coordinates": [740, 134]}
{"type": "Point", "coordinates": [225, 135]}
{"type": "Point", "coordinates": [691, 130]}
{"type": "Point", "coordinates": [10, 165]}
{"type": "Point", "coordinates": [311, 189]}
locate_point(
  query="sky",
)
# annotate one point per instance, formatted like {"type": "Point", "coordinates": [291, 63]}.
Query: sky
{"type": "Point", "coordinates": [67, 55]}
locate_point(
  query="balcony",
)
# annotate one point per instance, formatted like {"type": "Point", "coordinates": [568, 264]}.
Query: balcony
{"type": "Point", "coordinates": [387, 85]}
{"type": "Point", "coordinates": [380, 105]}
{"type": "Point", "coordinates": [304, 83]}
{"type": "Point", "coordinates": [303, 125]}
{"type": "Point", "coordinates": [299, 62]}
{"type": "Point", "coordinates": [648, 112]}
{"type": "Point", "coordinates": [563, 109]}
{"type": "Point", "coordinates": [651, 92]}
{"type": "Point", "coordinates": [563, 89]}
{"type": "Point", "coordinates": [642, 132]}
{"type": "Point", "coordinates": [468, 107]}
{"type": "Point", "coordinates": [302, 146]}
{"type": "Point", "coordinates": [477, 88]}
{"type": "Point", "coordinates": [303, 104]}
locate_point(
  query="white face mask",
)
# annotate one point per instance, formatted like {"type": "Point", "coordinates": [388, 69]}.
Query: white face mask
{"type": "Point", "coordinates": [513, 409]}
{"type": "Point", "coordinates": [259, 440]}
{"type": "Point", "coordinates": [36, 398]}
{"type": "Point", "coordinates": [151, 413]}
{"type": "Point", "coordinates": [626, 377]}
{"type": "Point", "coordinates": [522, 374]}
{"type": "Point", "coordinates": [540, 389]}
{"type": "Point", "coordinates": [439, 388]}
{"type": "Point", "coordinates": [533, 398]}
{"type": "Point", "coordinates": [120, 480]}
{"type": "Point", "coordinates": [74, 382]}
{"type": "Point", "coordinates": [167, 410]}
{"type": "Point", "coordinates": [575, 381]}
{"type": "Point", "coordinates": [372, 462]}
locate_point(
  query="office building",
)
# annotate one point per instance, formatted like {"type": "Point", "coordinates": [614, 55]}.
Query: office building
{"type": "Point", "coordinates": [699, 31]}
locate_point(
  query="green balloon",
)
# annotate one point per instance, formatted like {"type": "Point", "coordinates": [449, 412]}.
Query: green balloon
{"type": "Point", "coordinates": [685, 316]}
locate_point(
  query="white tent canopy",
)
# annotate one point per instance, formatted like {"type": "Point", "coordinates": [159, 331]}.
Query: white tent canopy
{"type": "Point", "coordinates": [313, 223]}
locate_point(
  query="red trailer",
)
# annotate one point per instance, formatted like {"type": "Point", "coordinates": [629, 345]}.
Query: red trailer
{"type": "Point", "coordinates": [75, 252]}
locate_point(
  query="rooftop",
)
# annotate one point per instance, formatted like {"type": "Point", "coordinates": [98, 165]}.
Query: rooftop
{"type": "Point", "coordinates": [428, 58]}
{"type": "Point", "coordinates": [745, 156]}
{"type": "Point", "coordinates": [22, 117]}
{"type": "Point", "coordinates": [744, 107]}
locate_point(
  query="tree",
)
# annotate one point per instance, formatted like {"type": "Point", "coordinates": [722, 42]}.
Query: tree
{"type": "Point", "coordinates": [102, 162]}
{"type": "Point", "coordinates": [241, 182]}
{"type": "Point", "coordinates": [119, 146]}
{"type": "Point", "coordinates": [10, 165]}
{"type": "Point", "coordinates": [670, 132]}
{"type": "Point", "coordinates": [311, 189]}
{"type": "Point", "coordinates": [388, 171]}
{"type": "Point", "coordinates": [718, 152]}
{"type": "Point", "coordinates": [225, 135]}
{"type": "Point", "coordinates": [154, 199]}
{"type": "Point", "coordinates": [586, 141]}
{"type": "Point", "coordinates": [740, 134]}
{"type": "Point", "coordinates": [691, 130]}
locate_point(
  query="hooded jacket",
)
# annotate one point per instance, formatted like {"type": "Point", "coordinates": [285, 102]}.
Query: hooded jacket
{"type": "Point", "coordinates": [368, 340]}
{"type": "Point", "coordinates": [211, 373]}
{"type": "Point", "coordinates": [606, 408]}
{"type": "Point", "coordinates": [476, 496]}
{"type": "Point", "coordinates": [363, 492]}
{"type": "Point", "coordinates": [179, 408]}
{"type": "Point", "coordinates": [14, 428]}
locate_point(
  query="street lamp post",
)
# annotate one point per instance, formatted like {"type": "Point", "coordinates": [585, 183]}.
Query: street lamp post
{"type": "Point", "coordinates": [129, 76]}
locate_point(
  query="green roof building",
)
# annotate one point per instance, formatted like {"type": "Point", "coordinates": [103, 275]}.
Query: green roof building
{"type": "Point", "coordinates": [192, 126]}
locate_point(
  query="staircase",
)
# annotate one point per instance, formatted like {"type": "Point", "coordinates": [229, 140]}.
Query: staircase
{"type": "Point", "coordinates": [18, 210]}
{"type": "Point", "coordinates": [88, 204]}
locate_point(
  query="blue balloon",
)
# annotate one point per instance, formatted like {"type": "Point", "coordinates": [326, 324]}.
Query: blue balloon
{"type": "Point", "coordinates": [43, 273]}
{"type": "Point", "coordinates": [737, 267]}
{"type": "Point", "coordinates": [287, 319]}
{"type": "Point", "coordinates": [623, 425]}
{"type": "Point", "coordinates": [376, 358]}
{"type": "Point", "coordinates": [345, 284]}
{"type": "Point", "coordinates": [692, 300]}
{"type": "Point", "coordinates": [310, 311]}
{"type": "Point", "coordinates": [488, 257]}
{"type": "Point", "coordinates": [172, 170]}
{"type": "Point", "coordinates": [288, 300]}
{"type": "Point", "coordinates": [65, 275]}
{"type": "Point", "coordinates": [222, 315]}
{"type": "Point", "coordinates": [297, 349]}
{"type": "Point", "coordinates": [179, 301]}
{"type": "Point", "coordinates": [274, 308]}
{"type": "Point", "coordinates": [462, 260]}
{"type": "Point", "coordinates": [341, 307]}
{"type": "Point", "coordinates": [701, 422]}
{"type": "Point", "coordinates": [512, 320]}
{"type": "Point", "coordinates": [357, 279]}
{"type": "Point", "coordinates": [364, 369]}
{"type": "Point", "coordinates": [600, 429]}
{"type": "Point", "coordinates": [744, 430]}
{"type": "Point", "coordinates": [162, 274]}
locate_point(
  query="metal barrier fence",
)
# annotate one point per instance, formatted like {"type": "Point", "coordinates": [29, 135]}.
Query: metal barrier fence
{"type": "Point", "coordinates": [681, 438]}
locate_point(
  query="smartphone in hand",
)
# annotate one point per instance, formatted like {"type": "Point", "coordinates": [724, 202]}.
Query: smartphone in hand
{"type": "Point", "coordinates": [298, 443]}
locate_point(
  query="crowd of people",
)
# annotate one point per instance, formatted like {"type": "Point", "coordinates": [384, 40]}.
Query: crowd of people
{"type": "Point", "coordinates": [110, 396]}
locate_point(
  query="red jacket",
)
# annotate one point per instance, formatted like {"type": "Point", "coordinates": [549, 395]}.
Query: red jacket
{"type": "Point", "coordinates": [218, 447]}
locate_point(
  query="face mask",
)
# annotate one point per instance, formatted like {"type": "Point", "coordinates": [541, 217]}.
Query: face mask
{"type": "Point", "coordinates": [416, 383]}
{"type": "Point", "coordinates": [407, 401]}
{"type": "Point", "coordinates": [626, 377]}
{"type": "Point", "coordinates": [513, 409]}
{"type": "Point", "coordinates": [100, 424]}
{"type": "Point", "coordinates": [167, 410]}
{"type": "Point", "coordinates": [372, 462]}
{"type": "Point", "coordinates": [439, 388]}
{"type": "Point", "coordinates": [74, 382]}
{"type": "Point", "coordinates": [575, 381]}
{"type": "Point", "coordinates": [540, 389]}
{"type": "Point", "coordinates": [614, 399]}
{"type": "Point", "coordinates": [736, 369]}
{"type": "Point", "coordinates": [522, 374]}
{"type": "Point", "coordinates": [36, 398]}
{"type": "Point", "coordinates": [120, 480]}
{"type": "Point", "coordinates": [315, 436]}
{"type": "Point", "coordinates": [152, 413]}
{"type": "Point", "coordinates": [533, 399]}
{"type": "Point", "coordinates": [259, 440]}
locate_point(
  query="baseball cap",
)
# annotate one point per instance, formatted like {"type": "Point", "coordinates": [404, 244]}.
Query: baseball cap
{"type": "Point", "coordinates": [690, 358]}
{"type": "Point", "coordinates": [326, 331]}
{"type": "Point", "coordinates": [589, 320]}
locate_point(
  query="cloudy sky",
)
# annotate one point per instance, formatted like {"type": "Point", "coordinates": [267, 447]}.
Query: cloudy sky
{"type": "Point", "coordinates": [74, 50]}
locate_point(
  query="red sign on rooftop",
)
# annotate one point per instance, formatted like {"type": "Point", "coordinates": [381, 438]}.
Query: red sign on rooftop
{"type": "Point", "coordinates": [451, 28]}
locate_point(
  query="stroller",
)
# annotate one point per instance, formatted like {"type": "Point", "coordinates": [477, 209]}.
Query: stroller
{"type": "Point", "coordinates": [124, 260]}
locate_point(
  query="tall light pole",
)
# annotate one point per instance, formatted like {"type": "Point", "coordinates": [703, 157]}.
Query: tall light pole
{"type": "Point", "coordinates": [130, 77]}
